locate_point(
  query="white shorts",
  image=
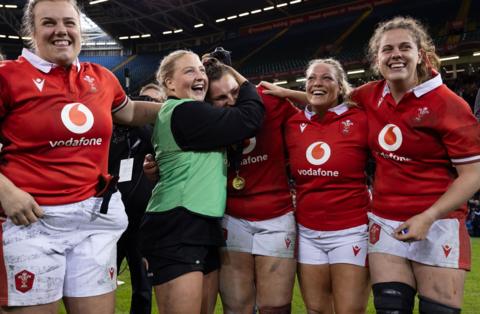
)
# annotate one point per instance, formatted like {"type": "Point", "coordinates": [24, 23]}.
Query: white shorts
{"type": "Point", "coordinates": [272, 237]}
{"type": "Point", "coordinates": [70, 252]}
{"type": "Point", "coordinates": [447, 243]}
{"type": "Point", "coordinates": [348, 246]}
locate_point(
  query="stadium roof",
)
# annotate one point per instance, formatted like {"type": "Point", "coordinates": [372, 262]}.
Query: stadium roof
{"type": "Point", "coordinates": [180, 19]}
{"type": "Point", "coordinates": [169, 20]}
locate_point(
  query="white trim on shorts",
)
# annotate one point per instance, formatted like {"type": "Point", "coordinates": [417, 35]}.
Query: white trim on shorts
{"type": "Point", "coordinates": [271, 237]}
{"type": "Point", "coordinates": [447, 243]}
{"type": "Point", "coordinates": [70, 251]}
{"type": "Point", "coordinates": [348, 246]}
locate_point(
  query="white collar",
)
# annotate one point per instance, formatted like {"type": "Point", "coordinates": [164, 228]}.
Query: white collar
{"type": "Point", "coordinates": [339, 109]}
{"type": "Point", "coordinates": [421, 89]}
{"type": "Point", "coordinates": [41, 64]}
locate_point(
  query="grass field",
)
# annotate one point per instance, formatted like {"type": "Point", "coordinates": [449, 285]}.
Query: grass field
{"type": "Point", "coordinates": [471, 300]}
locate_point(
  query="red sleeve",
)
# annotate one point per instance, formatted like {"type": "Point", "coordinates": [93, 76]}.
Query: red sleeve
{"type": "Point", "coordinates": [459, 129]}
{"type": "Point", "coordinates": [289, 109]}
{"type": "Point", "coordinates": [277, 104]}
{"type": "Point", "coordinates": [363, 95]}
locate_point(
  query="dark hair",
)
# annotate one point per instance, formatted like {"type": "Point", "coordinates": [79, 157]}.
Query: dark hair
{"type": "Point", "coordinates": [222, 55]}
{"type": "Point", "coordinates": [214, 69]}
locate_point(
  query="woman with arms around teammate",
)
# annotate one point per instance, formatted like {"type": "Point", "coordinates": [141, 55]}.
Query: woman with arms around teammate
{"type": "Point", "coordinates": [58, 241]}
{"type": "Point", "coordinates": [426, 144]}
{"type": "Point", "coordinates": [181, 229]}
{"type": "Point", "coordinates": [327, 148]}
{"type": "Point", "coordinates": [258, 265]}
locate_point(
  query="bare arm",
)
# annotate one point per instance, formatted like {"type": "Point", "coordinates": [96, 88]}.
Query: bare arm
{"type": "Point", "coordinates": [137, 113]}
{"type": "Point", "coordinates": [17, 204]}
{"type": "Point", "coordinates": [462, 188]}
{"type": "Point", "coordinates": [282, 92]}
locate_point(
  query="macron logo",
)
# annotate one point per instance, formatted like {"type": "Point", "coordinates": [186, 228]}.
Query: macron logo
{"type": "Point", "coordinates": [39, 83]}
{"type": "Point", "coordinates": [302, 127]}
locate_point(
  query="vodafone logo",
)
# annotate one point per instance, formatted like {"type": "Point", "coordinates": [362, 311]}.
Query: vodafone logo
{"type": "Point", "coordinates": [390, 137]}
{"type": "Point", "coordinates": [318, 153]}
{"type": "Point", "coordinates": [77, 118]}
{"type": "Point", "coordinates": [249, 145]}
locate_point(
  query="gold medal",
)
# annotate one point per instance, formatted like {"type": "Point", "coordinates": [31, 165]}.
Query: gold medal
{"type": "Point", "coordinates": [238, 183]}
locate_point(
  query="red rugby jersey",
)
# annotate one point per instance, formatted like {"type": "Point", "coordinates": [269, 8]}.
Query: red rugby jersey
{"type": "Point", "coordinates": [327, 159]}
{"type": "Point", "coordinates": [415, 144]}
{"type": "Point", "coordinates": [56, 126]}
{"type": "Point", "coordinates": [263, 166]}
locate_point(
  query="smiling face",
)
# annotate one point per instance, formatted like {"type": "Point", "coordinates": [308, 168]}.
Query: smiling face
{"type": "Point", "coordinates": [224, 91]}
{"type": "Point", "coordinates": [397, 58]}
{"type": "Point", "coordinates": [56, 34]}
{"type": "Point", "coordinates": [188, 79]}
{"type": "Point", "coordinates": [322, 87]}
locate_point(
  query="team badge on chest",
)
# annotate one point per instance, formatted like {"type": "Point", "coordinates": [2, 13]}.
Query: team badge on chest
{"type": "Point", "coordinates": [346, 127]}
{"type": "Point", "coordinates": [91, 81]}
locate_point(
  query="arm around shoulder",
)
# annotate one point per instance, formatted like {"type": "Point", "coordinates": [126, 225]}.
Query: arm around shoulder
{"type": "Point", "coordinates": [201, 126]}
{"type": "Point", "coordinates": [137, 113]}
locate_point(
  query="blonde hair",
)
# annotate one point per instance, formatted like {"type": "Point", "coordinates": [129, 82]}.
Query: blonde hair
{"type": "Point", "coordinates": [341, 77]}
{"type": "Point", "coordinates": [167, 66]}
{"type": "Point", "coordinates": [422, 39]}
{"type": "Point", "coordinates": [28, 20]}
{"type": "Point", "coordinates": [160, 94]}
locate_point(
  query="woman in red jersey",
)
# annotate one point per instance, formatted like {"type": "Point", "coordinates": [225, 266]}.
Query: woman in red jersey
{"type": "Point", "coordinates": [426, 144]}
{"type": "Point", "coordinates": [57, 241]}
{"type": "Point", "coordinates": [327, 147]}
{"type": "Point", "coordinates": [258, 267]}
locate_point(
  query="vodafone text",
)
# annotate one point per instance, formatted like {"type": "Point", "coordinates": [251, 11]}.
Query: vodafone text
{"type": "Point", "coordinates": [77, 142]}
{"type": "Point", "coordinates": [253, 159]}
{"type": "Point", "coordinates": [394, 157]}
{"type": "Point", "coordinates": [318, 172]}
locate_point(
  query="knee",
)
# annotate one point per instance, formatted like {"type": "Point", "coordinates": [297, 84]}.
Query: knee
{"type": "Point", "coordinates": [284, 309]}
{"type": "Point", "coordinates": [429, 306]}
{"type": "Point", "coordinates": [393, 298]}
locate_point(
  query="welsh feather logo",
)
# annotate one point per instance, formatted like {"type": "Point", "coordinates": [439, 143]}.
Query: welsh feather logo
{"type": "Point", "coordinates": [318, 153]}
{"type": "Point", "coordinates": [390, 137]}
{"type": "Point", "coordinates": [249, 145]}
{"type": "Point", "coordinates": [77, 118]}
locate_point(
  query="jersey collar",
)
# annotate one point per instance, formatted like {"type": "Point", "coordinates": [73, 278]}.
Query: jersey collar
{"type": "Point", "coordinates": [41, 64]}
{"type": "Point", "coordinates": [339, 109]}
{"type": "Point", "coordinates": [421, 89]}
